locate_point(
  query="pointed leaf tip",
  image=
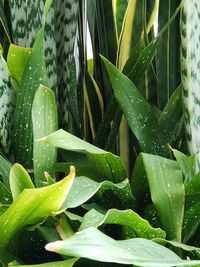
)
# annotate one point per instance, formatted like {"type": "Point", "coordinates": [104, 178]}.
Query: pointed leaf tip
{"type": "Point", "coordinates": [53, 246]}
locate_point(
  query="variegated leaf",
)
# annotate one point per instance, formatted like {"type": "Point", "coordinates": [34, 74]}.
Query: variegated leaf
{"type": "Point", "coordinates": [26, 20]}
{"type": "Point", "coordinates": [7, 103]}
{"type": "Point", "coordinates": [190, 56]}
{"type": "Point", "coordinates": [66, 28]}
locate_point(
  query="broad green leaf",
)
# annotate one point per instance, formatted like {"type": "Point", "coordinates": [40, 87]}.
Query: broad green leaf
{"type": "Point", "coordinates": [17, 59]}
{"type": "Point", "coordinates": [5, 167]}
{"type": "Point", "coordinates": [104, 162]}
{"type": "Point", "coordinates": [65, 140]}
{"type": "Point", "coordinates": [7, 105]}
{"type": "Point", "coordinates": [66, 263]}
{"type": "Point", "coordinates": [32, 207]}
{"type": "Point", "coordinates": [138, 226]}
{"type": "Point", "coordinates": [167, 192]}
{"type": "Point", "coordinates": [190, 59]}
{"type": "Point", "coordinates": [19, 180]}
{"type": "Point", "coordinates": [138, 112]}
{"type": "Point", "coordinates": [45, 121]}
{"type": "Point", "coordinates": [84, 188]}
{"type": "Point", "coordinates": [93, 244]}
{"type": "Point", "coordinates": [34, 75]}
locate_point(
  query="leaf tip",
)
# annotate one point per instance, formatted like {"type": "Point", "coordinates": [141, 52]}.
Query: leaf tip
{"type": "Point", "coordinates": [53, 246]}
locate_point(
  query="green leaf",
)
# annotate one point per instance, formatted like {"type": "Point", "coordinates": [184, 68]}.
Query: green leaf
{"type": "Point", "coordinates": [190, 73]}
{"type": "Point", "coordinates": [5, 196]}
{"type": "Point", "coordinates": [191, 215]}
{"type": "Point", "coordinates": [19, 180]}
{"type": "Point", "coordinates": [84, 188]}
{"type": "Point", "coordinates": [104, 162]}
{"type": "Point", "coordinates": [138, 226]}
{"type": "Point", "coordinates": [171, 116]}
{"type": "Point", "coordinates": [167, 58]}
{"type": "Point", "coordinates": [193, 186]}
{"type": "Point", "coordinates": [119, 9]}
{"type": "Point", "coordinates": [34, 75]}
{"type": "Point", "coordinates": [186, 164]}
{"type": "Point", "coordinates": [138, 112]}
{"type": "Point", "coordinates": [45, 121]}
{"type": "Point", "coordinates": [66, 13]}
{"type": "Point", "coordinates": [5, 167]}
{"type": "Point", "coordinates": [93, 244]}
{"type": "Point", "coordinates": [33, 206]}
{"type": "Point", "coordinates": [167, 192]}
{"type": "Point", "coordinates": [131, 31]}
{"type": "Point", "coordinates": [7, 105]}
{"type": "Point", "coordinates": [66, 263]}
{"type": "Point", "coordinates": [4, 23]}
{"type": "Point", "coordinates": [17, 59]}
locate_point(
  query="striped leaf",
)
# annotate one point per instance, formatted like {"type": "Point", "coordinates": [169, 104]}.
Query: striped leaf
{"type": "Point", "coordinates": [190, 59]}
{"type": "Point", "coordinates": [168, 72]}
{"type": "Point", "coordinates": [7, 105]}
{"type": "Point", "coordinates": [66, 12]}
{"type": "Point", "coordinates": [26, 21]}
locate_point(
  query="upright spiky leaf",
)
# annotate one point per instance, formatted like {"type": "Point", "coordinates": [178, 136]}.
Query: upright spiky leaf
{"type": "Point", "coordinates": [190, 56]}
{"type": "Point", "coordinates": [7, 103]}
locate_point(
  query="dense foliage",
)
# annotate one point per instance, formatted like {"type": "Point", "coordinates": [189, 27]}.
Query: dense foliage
{"type": "Point", "coordinates": [124, 125]}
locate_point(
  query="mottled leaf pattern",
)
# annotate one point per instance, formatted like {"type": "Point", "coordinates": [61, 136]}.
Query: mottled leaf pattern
{"type": "Point", "coordinates": [26, 20]}
{"type": "Point", "coordinates": [190, 35]}
{"type": "Point", "coordinates": [7, 103]}
{"type": "Point", "coordinates": [66, 26]}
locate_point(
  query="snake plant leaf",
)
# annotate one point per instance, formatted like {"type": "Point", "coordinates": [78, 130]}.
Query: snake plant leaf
{"type": "Point", "coordinates": [106, 163]}
{"type": "Point", "coordinates": [17, 59]}
{"type": "Point", "coordinates": [5, 167]}
{"type": "Point", "coordinates": [93, 244]}
{"type": "Point", "coordinates": [26, 21]}
{"type": "Point", "coordinates": [119, 9]}
{"type": "Point", "coordinates": [84, 188]}
{"type": "Point", "coordinates": [19, 180]}
{"type": "Point", "coordinates": [45, 121]}
{"type": "Point", "coordinates": [32, 206]}
{"type": "Point", "coordinates": [34, 75]}
{"type": "Point", "coordinates": [65, 35]}
{"type": "Point", "coordinates": [66, 263]}
{"type": "Point", "coordinates": [139, 226]}
{"type": "Point", "coordinates": [138, 112]}
{"type": "Point", "coordinates": [131, 31]}
{"type": "Point", "coordinates": [7, 105]}
{"type": "Point", "coordinates": [190, 59]}
{"type": "Point", "coordinates": [167, 58]}
{"type": "Point", "coordinates": [167, 192]}
{"type": "Point", "coordinates": [4, 22]}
